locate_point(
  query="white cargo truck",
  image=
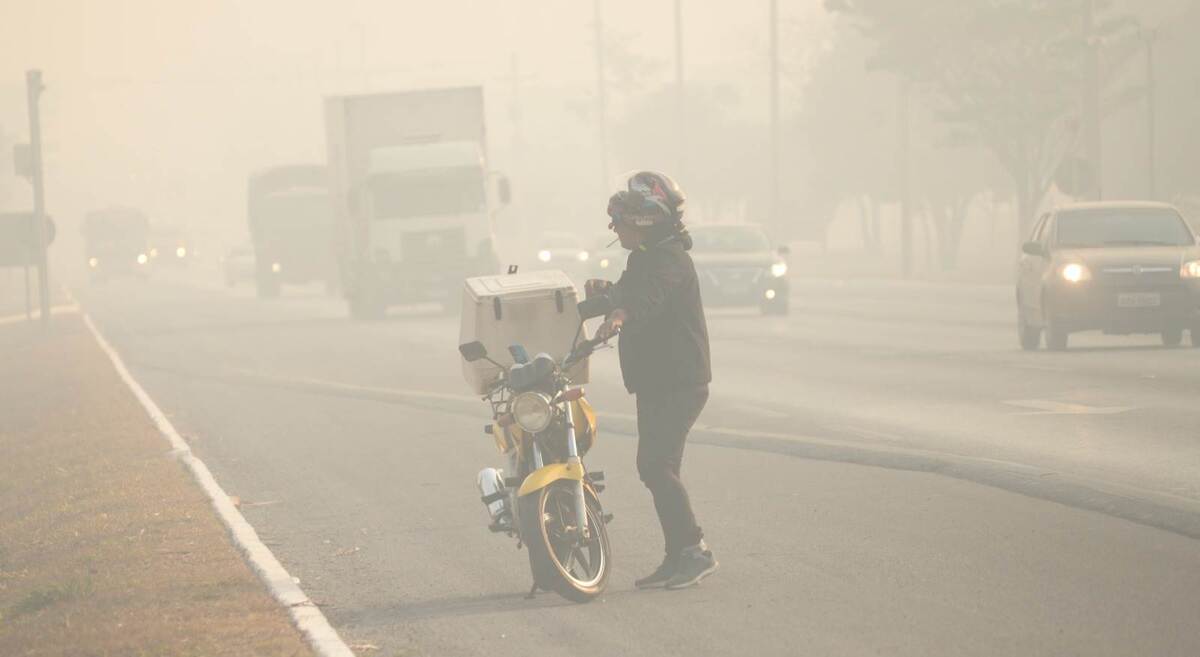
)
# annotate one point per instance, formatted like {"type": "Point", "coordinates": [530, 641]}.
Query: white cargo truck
{"type": "Point", "coordinates": [413, 197]}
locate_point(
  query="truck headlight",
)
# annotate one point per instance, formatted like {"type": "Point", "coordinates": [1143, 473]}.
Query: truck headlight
{"type": "Point", "coordinates": [1075, 272]}
{"type": "Point", "coordinates": [532, 411]}
{"type": "Point", "coordinates": [544, 255]}
{"type": "Point", "coordinates": [1190, 269]}
{"type": "Point", "coordinates": [779, 269]}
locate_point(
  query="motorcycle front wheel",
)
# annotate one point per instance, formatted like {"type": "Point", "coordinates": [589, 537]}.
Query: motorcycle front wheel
{"type": "Point", "coordinates": [561, 561]}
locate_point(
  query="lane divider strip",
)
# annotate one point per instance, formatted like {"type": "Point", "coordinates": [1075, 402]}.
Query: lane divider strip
{"type": "Point", "coordinates": [304, 612]}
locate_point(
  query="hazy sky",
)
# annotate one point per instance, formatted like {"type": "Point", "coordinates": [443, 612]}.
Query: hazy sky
{"type": "Point", "coordinates": [169, 104]}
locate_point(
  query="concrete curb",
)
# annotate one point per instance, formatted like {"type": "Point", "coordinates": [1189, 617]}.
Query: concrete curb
{"type": "Point", "coordinates": [305, 613]}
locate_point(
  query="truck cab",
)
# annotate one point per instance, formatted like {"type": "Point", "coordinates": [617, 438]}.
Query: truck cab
{"type": "Point", "coordinates": [415, 198]}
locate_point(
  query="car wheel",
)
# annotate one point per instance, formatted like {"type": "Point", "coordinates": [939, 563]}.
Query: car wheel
{"type": "Point", "coordinates": [1030, 337]}
{"type": "Point", "coordinates": [1173, 337]}
{"type": "Point", "coordinates": [777, 307]}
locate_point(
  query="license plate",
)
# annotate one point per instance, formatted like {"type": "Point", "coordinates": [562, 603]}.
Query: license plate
{"type": "Point", "coordinates": [1139, 300]}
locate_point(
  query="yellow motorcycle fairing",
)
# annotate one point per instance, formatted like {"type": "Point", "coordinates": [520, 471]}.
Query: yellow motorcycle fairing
{"type": "Point", "coordinates": [539, 479]}
{"type": "Point", "coordinates": [507, 438]}
{"type": "Point", "coordinates": [585, 424]}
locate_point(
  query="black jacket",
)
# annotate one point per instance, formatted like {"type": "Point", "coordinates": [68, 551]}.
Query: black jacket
{"type": "Point", "coordinates": [664, 341]}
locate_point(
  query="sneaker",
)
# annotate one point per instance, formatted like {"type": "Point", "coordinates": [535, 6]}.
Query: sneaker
{"type": "Point", "coordinates": [660, 576]}
{"type": "Point", "coordinates": [696, 563]}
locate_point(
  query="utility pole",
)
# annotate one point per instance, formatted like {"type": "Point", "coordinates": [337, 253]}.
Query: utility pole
{"type": "Point", "coordinates": [601, 103]}
{"type": "Point", "coordinates": [1151, 115]}
{"type": "Point", "coordinates": [904, 127]}
{"type": "Point", "coordinates": [680, 113]}
{"type": "Point", "coordinates": [774, 84]}
{"type": "Point", "coordinates": [34, 88]}
{"type": "Point", "coordinates": [1091, 100]}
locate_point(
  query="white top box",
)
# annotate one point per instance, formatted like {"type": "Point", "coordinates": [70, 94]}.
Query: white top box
{"type": "Point", "coordinates": [535, 309]}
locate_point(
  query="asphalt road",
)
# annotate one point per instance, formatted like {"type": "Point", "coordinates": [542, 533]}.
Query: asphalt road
{"type": "Point", "coordinates": [882, 472]}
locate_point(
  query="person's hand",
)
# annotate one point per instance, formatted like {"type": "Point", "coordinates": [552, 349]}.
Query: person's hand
{"type": "Point", "coordinates": [611, 326]}
{"type": "Point", "coordinates": [596, 287]}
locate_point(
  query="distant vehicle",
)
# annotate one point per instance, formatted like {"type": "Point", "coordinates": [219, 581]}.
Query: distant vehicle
{"type": "Point", "coordinates": [563, 251]}
{"type": "Point", "coordinates": [737, 266]}
{"type": "Point", "coordinates": [238, 266]}
{"type": "Point", "coordinates": [117, 243]}
{"type": "Point", "coordinates": [169, 246]}
{"type": "Point", "coordinates": [1116, 267]}
{"type": "Point", "coordinates": [291, 225]}
{"type": "Point", "coordinates": [412, 196]}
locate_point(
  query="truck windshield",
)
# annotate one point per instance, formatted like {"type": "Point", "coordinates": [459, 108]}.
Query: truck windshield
{"type": "Point", "coordinates": [428, 193]}
{"type": "Point", "coordinates": [295, 209]}
{"type": "Point", "coordinates": [1122, 227]}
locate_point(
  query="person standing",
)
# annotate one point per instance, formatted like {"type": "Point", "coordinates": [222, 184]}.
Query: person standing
{"type": "Point", "coordinates": [664, 355]}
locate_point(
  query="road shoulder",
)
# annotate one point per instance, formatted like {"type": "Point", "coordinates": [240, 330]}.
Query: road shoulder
{"type": "Point", "coordinates": [106, 545]}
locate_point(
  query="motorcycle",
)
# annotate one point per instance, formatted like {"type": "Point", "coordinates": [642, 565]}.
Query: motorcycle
{"type": "Point", "coordinates": [551, 504]}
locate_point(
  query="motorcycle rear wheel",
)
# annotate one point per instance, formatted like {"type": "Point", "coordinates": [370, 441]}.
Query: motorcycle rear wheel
{"type": "Point", "coordinates": [576, 570]}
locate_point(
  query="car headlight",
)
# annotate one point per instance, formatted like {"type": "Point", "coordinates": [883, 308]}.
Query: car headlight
{"type": "Point", "coordinates": [1075, 272]}
{"type": "Point", "coordinates": [142, 259]}
{"type": "Point", "coordinates": [544, 255]}
{"type": "Point", "coordinates": [276, 268]}
{"type": "Point", "coordinates": [779, 269]}
{"type": "Point", "coordinates": [582, 256]}
{"type": "Point", "coordinates": [92, 262]}
{"type": "Point", "coordinates": [604, 263]}
{"type": "Point", "coordinates": [1190, 269]}
{"type": "Point", "coordinates": [532, 411]}
{"type": "Point", "coordinates": [181, 252]}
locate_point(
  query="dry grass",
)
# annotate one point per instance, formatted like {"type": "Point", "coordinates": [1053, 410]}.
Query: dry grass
{"type": "Point", "coordinates": [107, 547]}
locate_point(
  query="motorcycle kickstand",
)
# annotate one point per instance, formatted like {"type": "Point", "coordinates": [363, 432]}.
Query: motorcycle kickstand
{"type": "Point", "coordinates": [532, 592]}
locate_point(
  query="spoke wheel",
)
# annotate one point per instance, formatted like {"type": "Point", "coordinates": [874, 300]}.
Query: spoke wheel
{"type": "Point", "coordinates": [576, 567]}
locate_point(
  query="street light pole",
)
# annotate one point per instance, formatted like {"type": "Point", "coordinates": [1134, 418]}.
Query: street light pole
{"type": "Point", "coordinates": [774, 84]}
{"type": "Point", "coordinates": [680, 127]}
{"type": "Point", "coordinates": [601, 103]}
{"type": "Point", "coordinates": [34, 88]}
{"type": "Point", "coordinates": [1151, 115]}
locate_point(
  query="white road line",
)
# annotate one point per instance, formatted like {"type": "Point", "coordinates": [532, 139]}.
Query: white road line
{"type": "Point", "coordinates": [305, 613]}
{"type": "Point", "coordinates": [1045, 407]}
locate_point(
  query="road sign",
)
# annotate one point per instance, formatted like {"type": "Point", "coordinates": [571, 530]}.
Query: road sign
{"type": "Point", "coordinates": [18, 239]}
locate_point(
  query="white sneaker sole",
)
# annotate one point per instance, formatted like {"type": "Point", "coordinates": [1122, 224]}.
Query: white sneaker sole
{"type": "Point", "coordinates": [695, 580]}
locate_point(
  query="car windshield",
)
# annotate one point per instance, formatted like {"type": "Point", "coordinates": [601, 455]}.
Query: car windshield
{"type": "Point", "coordinates": [428, 193]}
{"type": "Point", "coordinates": [729, 239]}
{"type": "Point", "coordinates": [1122, 227]}
{"type": "Point", "coordinates": [561, 241]}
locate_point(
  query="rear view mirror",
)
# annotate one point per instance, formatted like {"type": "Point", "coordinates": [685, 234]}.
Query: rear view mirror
{"type": "Point", "coordinates": [594, 307]}
{"type": "Point", "coordinates": [1033, 248]}
{"type": "Point", "coordinates": [472, 351]}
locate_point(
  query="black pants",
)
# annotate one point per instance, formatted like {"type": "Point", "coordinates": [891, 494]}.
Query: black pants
{"type": "Point", "coordinates": [664, 419]}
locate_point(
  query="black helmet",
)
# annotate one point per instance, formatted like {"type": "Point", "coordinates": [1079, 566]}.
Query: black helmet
{"type": "Point", "coordinates": [660, 187]}
{"type": "Point", "coordinates": [638, 209]}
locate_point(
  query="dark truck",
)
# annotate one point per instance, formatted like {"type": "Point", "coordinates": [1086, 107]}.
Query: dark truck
{"type": "Point", "coordinates": [291, 227]}
{"type": "Point", "coordinates": [117, 243]}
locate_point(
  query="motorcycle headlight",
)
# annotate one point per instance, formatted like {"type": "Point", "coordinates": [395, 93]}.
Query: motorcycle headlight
{"type": "Point", "coordinates": [532, 411]}
{"type": "Point", "coordinates": [779, 269]}
{"type": "Point", "coordinates": [1190, 269]}
{"type": "Point", "coordinates": [1075, 272]}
